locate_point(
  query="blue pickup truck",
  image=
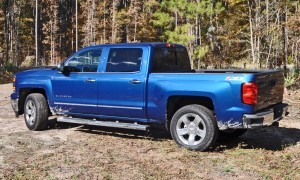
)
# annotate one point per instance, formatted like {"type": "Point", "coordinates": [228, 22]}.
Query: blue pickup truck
{"type": "Point", "coordinates": [136, 85]}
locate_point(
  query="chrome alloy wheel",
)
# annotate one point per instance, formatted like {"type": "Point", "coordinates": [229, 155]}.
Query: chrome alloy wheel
{"type": "Point", "coordinates": [191, 129]}
{"type": "Point", "coordinates": [30, 112]}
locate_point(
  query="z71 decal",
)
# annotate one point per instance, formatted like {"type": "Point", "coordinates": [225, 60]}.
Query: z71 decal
{"type": "Point", "coordinates": [230, 78]}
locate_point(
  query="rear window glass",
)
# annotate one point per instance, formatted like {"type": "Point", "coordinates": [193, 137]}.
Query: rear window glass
{"type": "Point", "coordinates": [124, 60]}
{"type": "Point", "coordinates": [174, 59]}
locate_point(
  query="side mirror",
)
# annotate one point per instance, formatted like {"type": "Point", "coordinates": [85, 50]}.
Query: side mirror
{"type": "Point", "coordinates": [63, 69]}
{"type": "Point", "coordinates": [66, 70]}
{"type": "Point", "coordinates": [60, 67]}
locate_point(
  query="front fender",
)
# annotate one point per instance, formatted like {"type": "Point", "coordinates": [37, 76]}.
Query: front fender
{"type": "Point", "coordinates": [35, 79]}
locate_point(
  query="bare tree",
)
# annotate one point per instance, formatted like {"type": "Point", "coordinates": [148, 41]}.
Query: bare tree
{"type": "Point", "coordinates": [113, 24]}
{"type": "Point", "coordinates": [76, 24]}
{"type": "Point", "coordinates": [36, 33]}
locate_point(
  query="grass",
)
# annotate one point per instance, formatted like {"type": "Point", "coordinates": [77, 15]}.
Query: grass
{"type": "Point", "coordinates": [267, 164]}
{"type": "Point", "coordinates": [255, 163]}
{"type": "Point", "coordinates": [101, 154]}
{"type": "Point", "coordinates": [291, 78]}
{"type": "Point", "coordinates": [228, 169]}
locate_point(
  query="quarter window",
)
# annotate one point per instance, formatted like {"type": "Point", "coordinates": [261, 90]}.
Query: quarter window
{"type": "Point", "coordinates": [124, 60]}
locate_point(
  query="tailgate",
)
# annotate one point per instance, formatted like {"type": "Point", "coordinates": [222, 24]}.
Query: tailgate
{"type": "Point", "coordinates": [270, 89]}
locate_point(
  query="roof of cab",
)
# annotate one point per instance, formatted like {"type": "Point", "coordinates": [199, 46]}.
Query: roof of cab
{"type": "Point", "coordinates": [153, 44]}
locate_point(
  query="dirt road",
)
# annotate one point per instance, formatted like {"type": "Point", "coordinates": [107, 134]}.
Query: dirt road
{"type": "Point", "coordinates": [75, 152]}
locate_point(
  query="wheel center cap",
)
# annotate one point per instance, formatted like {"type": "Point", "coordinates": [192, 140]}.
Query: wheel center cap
{"type": "Point", "coordinates": [192, 127]}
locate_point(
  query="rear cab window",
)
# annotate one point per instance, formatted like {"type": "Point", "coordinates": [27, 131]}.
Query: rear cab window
{"type": "Point", "coordinates": [170, 59]}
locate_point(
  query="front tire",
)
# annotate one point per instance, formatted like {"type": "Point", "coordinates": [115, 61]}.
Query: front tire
{"type": "Point", "coordinates": [36, 112]}
{"type": "Point", "coordinates": [194, 127]}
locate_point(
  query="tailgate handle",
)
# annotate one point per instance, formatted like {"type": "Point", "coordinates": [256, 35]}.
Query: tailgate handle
{"type": "Point", "coordinates": [135, 81]}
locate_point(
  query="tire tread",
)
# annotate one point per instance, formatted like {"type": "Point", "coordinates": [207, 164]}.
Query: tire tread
{"type": "Point", "coordinates": [211, 122]}
{"type": "Point", "coordinates": [42, 111]}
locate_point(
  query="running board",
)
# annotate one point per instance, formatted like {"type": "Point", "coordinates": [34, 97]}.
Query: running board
{"type": "Point", "coordinates": [116, 124]}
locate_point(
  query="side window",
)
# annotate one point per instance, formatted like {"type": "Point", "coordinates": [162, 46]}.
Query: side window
{"type": "Point", "coordinates": [124, 60]}
{"type": "Point", "coordinates": [85, 62]}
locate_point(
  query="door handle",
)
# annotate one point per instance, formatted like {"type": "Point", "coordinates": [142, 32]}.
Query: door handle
{"type": "Point", "coordinates": [89, 80]}
{"type": "Point", "coordinates": [135, 81]}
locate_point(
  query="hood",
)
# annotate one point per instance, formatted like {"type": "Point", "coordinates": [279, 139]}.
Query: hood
{"type": "Point", "coordinates": [37, 72]}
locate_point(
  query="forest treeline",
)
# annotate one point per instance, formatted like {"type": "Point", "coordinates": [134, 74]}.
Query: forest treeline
{"type": "Point", "coordinates": [218, 33]}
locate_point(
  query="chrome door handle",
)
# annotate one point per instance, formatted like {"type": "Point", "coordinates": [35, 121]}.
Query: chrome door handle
{"type": "Point", "coordinates": [89, 80]}
{"type": "Point", "coordinates": [135, 81]}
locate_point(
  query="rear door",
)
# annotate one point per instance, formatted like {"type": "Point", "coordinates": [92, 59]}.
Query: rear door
{"type": "Point", "coordinates": [122, 84]}
{"type": "Point", "coordinates": [76, 91]}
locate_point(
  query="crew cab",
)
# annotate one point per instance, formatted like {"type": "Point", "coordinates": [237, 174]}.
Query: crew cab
{"type": "Point", "coordinates": [137, 85]}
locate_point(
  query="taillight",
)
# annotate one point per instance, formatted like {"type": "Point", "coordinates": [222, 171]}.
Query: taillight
{"type": "Point", "coordinates": [168, 45]}
{"type": "Point", "coordinates": [249, 93]}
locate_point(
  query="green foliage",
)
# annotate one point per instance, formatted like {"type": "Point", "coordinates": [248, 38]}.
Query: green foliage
{"type": "Point", "coordinates": [218, 29]}
{"type": "Point", "coordinates": [290, 60]}
{"type": "Point", "coordinates": [162, 19]}
{"type": "Point", "coordinates": [291, 78]}
{"type": "Point", "coordinates": [175, 6]}
{"type": "Point", "coordinates": [180, 35]}
{"type": "Point", "coordinates": [197, 8]}
{"type": "Point", "coordinates": [200, 52]}
{"type": "Point", "coordinates": [218, 9]}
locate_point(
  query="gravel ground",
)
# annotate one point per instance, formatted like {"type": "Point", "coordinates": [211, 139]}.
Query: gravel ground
{"type": "Point", "coordinates": [65, 151]}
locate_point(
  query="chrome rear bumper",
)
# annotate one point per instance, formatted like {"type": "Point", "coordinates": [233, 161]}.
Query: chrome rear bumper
{"type": "Point", "coordinates": [266, 117]}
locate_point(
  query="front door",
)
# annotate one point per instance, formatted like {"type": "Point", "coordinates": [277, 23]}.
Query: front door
{"type": "Point", "coordinates": [75, 90]}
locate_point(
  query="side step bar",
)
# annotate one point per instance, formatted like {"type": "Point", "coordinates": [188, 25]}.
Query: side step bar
{"type": "Point", "coordinates": [116, 124]}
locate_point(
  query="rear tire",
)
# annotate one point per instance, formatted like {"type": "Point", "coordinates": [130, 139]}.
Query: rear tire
{"type": "Point", "coordinates": [36, 112]}
{"type": "Point", "coordinates": [194, 127]}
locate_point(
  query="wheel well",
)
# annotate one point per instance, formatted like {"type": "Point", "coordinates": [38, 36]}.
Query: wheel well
{"type": "Point", "coordinates": [177, 102]}
{"type": "Point", "coordinates": [24, 92]}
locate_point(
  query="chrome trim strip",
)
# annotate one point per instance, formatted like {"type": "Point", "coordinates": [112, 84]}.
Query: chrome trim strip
{"type": "Point", "coordinates": [75, 104]}
{"type": "Point", "coordinates": [93, 105]}
{"type": "Point", "coordinates": [120, 107]}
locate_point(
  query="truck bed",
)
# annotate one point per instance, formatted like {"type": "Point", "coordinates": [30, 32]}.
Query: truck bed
{"type": "Point", "coordinates": [238, 71]}
{"type": "Point", "coordinates": [270, 83]}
